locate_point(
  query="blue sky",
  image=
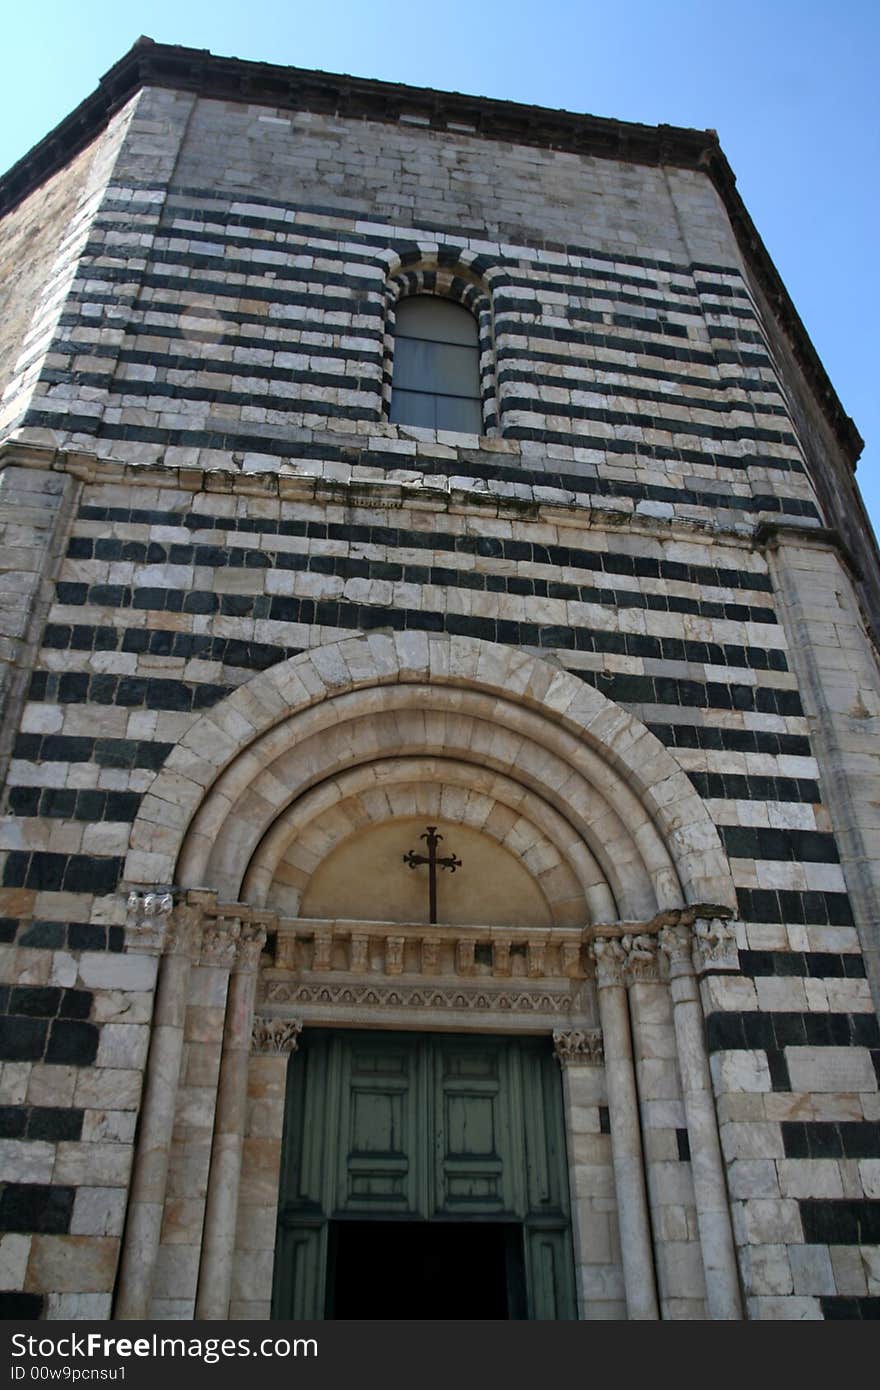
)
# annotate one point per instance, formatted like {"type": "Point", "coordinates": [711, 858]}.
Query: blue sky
{"type": "Point", "coordinates": [790, 86]}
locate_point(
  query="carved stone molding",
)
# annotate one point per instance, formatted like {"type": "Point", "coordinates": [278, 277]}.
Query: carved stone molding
{"type": "Point", "coordinates": [360, 954]}
{"type": "Point", "coordinates": [570, 952]}
{"type": "Point", "coordinates": [305, 947]}
{"type": "Point", "coordinates": [578, 1047]}
{"type": "Point", "coordinates": [249, 947]}
{"type": "Point", "coordinates": [430, 956]}
{"type": "Point", "coordinates": [537, 954]}
{"type": "Point", "coordinates": [275, 1036]}
{"type": "Point", "coordinates": [465, 953]}
{"type": "Point", "coordinates": [423, 996]}
{"type": "Point", "coordinates": [501, 957]}
{"type": "Point", "coordinates": [642, 958]}
{"type": "Point", "coordinates": [715, 945]}
{"type": "Point", "coordinates": [167, 921]}
{"type": "Point", "coordinates": [185, 927]}
{"type": "Point", "coordinates": [702, 933]}
{"type": "Point", "coordinates": [676, 942]}
{"type": "Point", "coordinates": [610, 959]}
{"type": "Point", "coordinates": [220, 942]}
{"type": "Point", "coordinates": [147, 916]}
{"type": "Point", "coordinates": [394, 955]}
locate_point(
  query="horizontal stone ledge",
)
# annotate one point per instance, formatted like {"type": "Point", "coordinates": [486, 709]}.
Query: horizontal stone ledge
{"type": "Point", "coordinates": [669, 917]}
{"type": "Point", "coordinates": [585, 511]}
{"type": "Point", "coordinates": [369, 949]}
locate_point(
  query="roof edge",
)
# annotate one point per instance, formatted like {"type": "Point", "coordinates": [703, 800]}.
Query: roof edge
{"type": "Point", "coordinates": [148, 63]}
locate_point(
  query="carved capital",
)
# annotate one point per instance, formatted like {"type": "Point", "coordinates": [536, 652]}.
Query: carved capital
{"type": "Point", "coordinates": [610, 959]}
{"type": "Point", "coordinates": [219, 942]}
{"type": "Point", "coordinates": [275, 1036]}
{"type": "Point", "coordinates": [642, 958]}
{"type": "Point", "coordinates": [578, 1047]}
{"type": "Point", "coordinates": [147, 918]}
{"type": "Point", "coordinates": [250, 945]}
{"type": "Point", "coordinates": [167, 921]}
{"type": "Point", "coordinates": [185, 930]}
{"type": "Point", "coordinates": [677, 942]}
{"type": "Point", "coordinates": [715, 945]}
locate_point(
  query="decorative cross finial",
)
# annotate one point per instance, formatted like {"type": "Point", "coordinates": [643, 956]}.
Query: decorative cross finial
{"type": "Point", "coordinates": [449, 861]}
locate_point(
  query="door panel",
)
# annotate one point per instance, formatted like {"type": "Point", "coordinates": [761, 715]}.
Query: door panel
{"type": "Point", "coordinates": [549, 1275]}
{"type": "Point", "coordinates": [426, 1129]}
{"type": "Point", "coordinates": [379, 1109]}
{"type": "Point", "coordinates": [472, 1130]}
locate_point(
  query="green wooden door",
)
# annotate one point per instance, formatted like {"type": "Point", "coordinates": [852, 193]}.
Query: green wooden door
{"type": "Point", "coordinates": [423, 1128]}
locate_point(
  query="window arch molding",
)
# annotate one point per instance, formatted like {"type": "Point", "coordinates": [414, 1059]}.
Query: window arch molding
{"type": "Point", "coordinates": [458, 286]}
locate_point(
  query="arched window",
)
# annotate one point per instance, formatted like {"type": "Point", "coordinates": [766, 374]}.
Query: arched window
{"type": "Point", "coordinates": [436, 376]}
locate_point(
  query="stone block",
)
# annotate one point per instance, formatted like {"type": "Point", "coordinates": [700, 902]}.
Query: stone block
{"type": "Point", "coordinates": [810, 1177]}
{"type": "Point", "coordinates": [105, 1088]}
{"type": "Point", "coordinates": [79, 1307]}
{"type": "Point", "coordinates": [123, 1046]}
{"type": "Point", "coordinates": [26, 1161]}
{"type": "Point", "coordinates": [767, 1269]}
{"type": "Point", "coordinates": [792, 1309]}
{"type": "Point", "coordinates": [106, 1165]}
{"type": "Point", "coordinates": [753, 1177]}
{"type": "Point", "coordinates": [108, 970]}
{"type": "Point", "coordinates": [849, 1269]}
{"type": "Point", "coordinates": [772, 1222]}
{"type": "Point", "coordinates": [98, 1211]}
{"type": "Point", "coordinates": [812, 1269]}
{"type": "Point", "coordinates": [870, 1256]}
{"type": "Point", "coordinates": [51, 1086]}
{"type": "Point", "coordinates": [14, 1253]}
{"type": "Point", "coordinates": [740, 1071]}
{"type": "Point", "coordinates": [72, 1264]}
{"type": "Point", "coordinates": [834, 1069]}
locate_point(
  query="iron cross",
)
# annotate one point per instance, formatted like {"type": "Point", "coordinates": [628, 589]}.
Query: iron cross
{"type": "Point", "coordinates": [448, 861]}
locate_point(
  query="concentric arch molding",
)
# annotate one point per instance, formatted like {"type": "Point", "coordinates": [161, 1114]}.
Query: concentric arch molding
{"type": "Point", "coordinates": [633, 830]}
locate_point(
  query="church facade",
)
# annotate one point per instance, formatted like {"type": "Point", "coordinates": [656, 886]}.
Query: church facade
{"type": "Point", "coordinates": [440, 842]}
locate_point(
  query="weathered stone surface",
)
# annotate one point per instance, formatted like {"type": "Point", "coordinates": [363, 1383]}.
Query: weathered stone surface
{"type": "Point", "coordinates": [252, 628]}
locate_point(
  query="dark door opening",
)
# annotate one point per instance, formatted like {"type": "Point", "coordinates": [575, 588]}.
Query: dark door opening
{"type": "Point", "coordinates": [419, 1269]}
{"type": "Point", "coordinates": [423, 1176]}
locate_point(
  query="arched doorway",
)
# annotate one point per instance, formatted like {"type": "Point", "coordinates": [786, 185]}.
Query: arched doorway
{"type": "Point", "coordinates": [314, 764]}
{"type": "Point", "coordinates": [423, 1176]}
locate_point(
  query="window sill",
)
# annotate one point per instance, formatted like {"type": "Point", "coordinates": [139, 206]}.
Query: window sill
{"type": "Point", "coordinates": [452, 439]}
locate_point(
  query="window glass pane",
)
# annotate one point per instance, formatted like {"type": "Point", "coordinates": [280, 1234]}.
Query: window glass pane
{"type": "Point", "coordinates": [457, 413]}
{"type": "Point", "coordinates": [436, 376]}
{"type": "Point", "coordinates": [413, 408]}
{"type": "Point", "coordinates": [443, 367]}
{"type": "Point", "coordinates": [425, 316]}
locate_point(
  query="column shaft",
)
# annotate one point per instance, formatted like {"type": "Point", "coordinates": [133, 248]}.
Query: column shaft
{"type": "Point", "coordinates": [150, 1172]}
{"type": "Point", "coordinates": [221, 1207]}
{"type": "Point", "coordinates": [636, 1249]}
{"type": "Point", "coordinates": [710, 1189]}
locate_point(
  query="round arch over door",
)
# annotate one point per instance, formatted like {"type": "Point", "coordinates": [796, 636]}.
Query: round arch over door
{"type": "Point", "coordinates": [335, 731]}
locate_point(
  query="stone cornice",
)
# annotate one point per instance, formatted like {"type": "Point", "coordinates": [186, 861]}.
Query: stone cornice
{"type": "Point", "coordinates": [286, 88]}
{"type": "Point", "coordinates": [668, 918]}
{"type": "Point", "coordinates": [149, 64]}
{"type": "Point", "coordinates": [289, 485]}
